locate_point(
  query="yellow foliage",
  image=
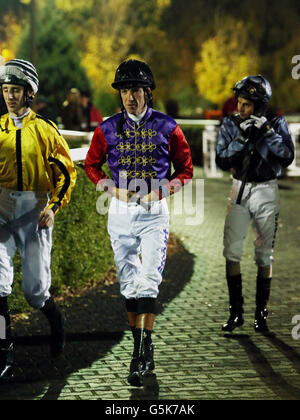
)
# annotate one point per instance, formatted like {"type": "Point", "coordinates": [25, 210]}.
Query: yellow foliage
{"type": "Point", "coordinates": [107, 44]}
{"type": "Point", "coordinates": [101, 62]}
{"type": "Point", "coordinates": [9, 44]}
{"type": "Point", "coordinates": [71, 5]}
{"type": "Point", "coordinates": [7, 54]}
{"type": "Point", "coordinates": [106, 37]}
{"type": "Point", "coordinates": [98, 60]}
{"type": "Point", "coordinates": [163, 3]}
{"type": "Point", "coordinates": [224, 60]}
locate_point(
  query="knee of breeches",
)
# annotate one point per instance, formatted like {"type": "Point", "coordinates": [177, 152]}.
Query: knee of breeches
{"type": "Point", "coordinates": [36, 302]}
{"type": "Point", "coordinates": [263, 258]}
{"type": "Point", "coordinates": [233, 252]}
{"type": "Point", "coordinates": [127, 290]}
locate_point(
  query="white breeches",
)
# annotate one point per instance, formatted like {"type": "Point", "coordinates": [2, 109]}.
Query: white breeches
{"type": "Point", "coordinates": [139, 241]}
{"type": "Point", "coordinates": [19, 212]}
{"type": "Point", "coordinates": [260, 204]}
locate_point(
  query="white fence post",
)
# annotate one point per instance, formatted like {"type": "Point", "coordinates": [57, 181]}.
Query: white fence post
{"type": "Point", "coordinates": [294, 169]}
{"type": "Point", "coordinates": [209, 140]}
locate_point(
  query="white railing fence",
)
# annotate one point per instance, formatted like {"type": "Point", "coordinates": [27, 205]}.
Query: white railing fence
{"type": "Point", "coordinates": [209, 138]}
{"type": "Point", "coordinates": [294, 168]}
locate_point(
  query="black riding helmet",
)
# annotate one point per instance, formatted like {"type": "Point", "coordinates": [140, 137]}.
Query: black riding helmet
{"type": "Point", "coordinates": [256, 89]}
{"type": "Point", "coordinates": [133, 73]}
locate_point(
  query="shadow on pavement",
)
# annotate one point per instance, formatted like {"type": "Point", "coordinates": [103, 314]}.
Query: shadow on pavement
{"type": "Point", "coordinates": [288, 352]}
{"type": "Point", "coordinates": [150, 390]}
{"type": "Point", "coordinates": [262, 366]}
{"type": "Point", "coordinates": [95, 322]}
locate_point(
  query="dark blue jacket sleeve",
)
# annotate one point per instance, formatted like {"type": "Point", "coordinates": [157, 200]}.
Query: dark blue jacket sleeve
{"type": "Point", "coordinates": [230, 145]}
{"type": "Point", "coordinates": [277, 148]}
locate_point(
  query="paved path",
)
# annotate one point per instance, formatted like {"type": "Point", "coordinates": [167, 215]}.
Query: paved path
{"type": "Point", "coordinates": [195, 360]}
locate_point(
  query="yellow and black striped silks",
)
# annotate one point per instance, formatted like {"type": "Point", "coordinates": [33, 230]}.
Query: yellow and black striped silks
{"type": "Point", "coordinates": [36, 158]}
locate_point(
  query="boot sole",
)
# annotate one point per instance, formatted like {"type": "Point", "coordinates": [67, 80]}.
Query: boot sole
{"type": "Point", "coordinates": [230, 329]}
{"type": "Point", "coordinates": [8, 377]}
{"type": "Point", "coordinates": [135, 379]}
{"type": "Point", "coordinates": [264, 330]}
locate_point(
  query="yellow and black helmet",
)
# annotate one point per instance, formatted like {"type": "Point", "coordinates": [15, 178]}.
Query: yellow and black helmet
{"type": "Point", "coordinates": [19, 72]}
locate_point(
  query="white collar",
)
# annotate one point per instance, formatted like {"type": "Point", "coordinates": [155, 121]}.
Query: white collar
{"type": "Point", "coordinates": [18, 121]}
{"type": "Point", "coordinates": [137, 118]}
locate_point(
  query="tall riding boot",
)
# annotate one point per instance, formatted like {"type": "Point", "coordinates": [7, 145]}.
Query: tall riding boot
{"type": "Point", "coordinates": [236, 303]}
{"type": "Point", "coordinates": [148, 359]}
{"type": "Point", "coordinates": [142, 359]}
{"type": "Point", "coordinates": [135, 377]}
{"type": "Point", "coordinates": [263, 287]}
{"type": "Point", "coordinates": [146, 317]}
{"type": "Point", "coordinates": [6, 345]}
{"type": "Point", "coordinates": [56, 321]}
{"type": "Point", "coordinates": [135, 364]}
{"type": "Point", "coordinates": [6, 362]}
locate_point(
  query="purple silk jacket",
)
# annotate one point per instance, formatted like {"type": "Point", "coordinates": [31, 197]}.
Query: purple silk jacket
{"type": "Point", "coordinates": [141, 151]}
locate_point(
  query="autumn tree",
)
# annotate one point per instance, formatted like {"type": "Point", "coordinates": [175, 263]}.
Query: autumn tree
{"type": "Point", "coordinates": [115, 30]}
{"type": "Point", "coordinates": [11, 19]}
{"type": "Point", "coordinates": [224, 59]}
{"type": "Point", "coordinates": [185, 43]}
{"type": "Point", "coordinates": [59, 61]}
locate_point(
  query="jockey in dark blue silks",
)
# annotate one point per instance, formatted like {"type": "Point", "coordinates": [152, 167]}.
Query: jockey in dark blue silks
{"type": "Point", "coordinates": [254, 146]}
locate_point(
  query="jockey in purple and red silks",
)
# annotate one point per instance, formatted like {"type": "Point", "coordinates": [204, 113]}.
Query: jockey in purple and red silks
{"type": "Point", "coordinates": [139, 145]}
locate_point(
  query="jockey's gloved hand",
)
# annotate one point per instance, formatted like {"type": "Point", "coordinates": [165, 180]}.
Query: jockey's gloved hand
{"type": "Point", "coordinates": [246, 126]}
{"type": "Point", "coordinates": [262, 124]}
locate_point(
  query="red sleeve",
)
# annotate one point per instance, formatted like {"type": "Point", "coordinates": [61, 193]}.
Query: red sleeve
{"type": "Point", "coordinates": [180, 154]}
{"type": "Point", "coordinates": [96, 157]}
{"type": "Point", "coordinates": [96, 115]}
{"type": "Point", "coordinates": [181, 158]}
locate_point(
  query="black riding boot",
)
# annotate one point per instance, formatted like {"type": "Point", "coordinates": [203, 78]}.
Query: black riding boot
{"type": "Point", "coordinates": [135, 377]}
{"type": "Point", "coordinates": [143, 354]}
{"type": "Point", "coordinates": [6, 363]}
{"type": "Point", "coordinates": [56, 321]}
{"type": "Point", "coordinates": [148, 359]}
{"type": "Point", "coordinates": [142, 358]}
{"type": "Point", "coordinates": [6, 346]}
{"type": "Point", "coordinates": [263, 287]}
{"type": "Point", "coordinates": [236, 303]}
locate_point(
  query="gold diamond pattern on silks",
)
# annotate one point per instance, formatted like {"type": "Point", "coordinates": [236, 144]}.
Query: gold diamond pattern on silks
{"type": "Point", "coordinates": [142, 148]}
{"type": "Point", "coordinates": [140, 132]}
{"type": "Point", "coordinates": [140, 160]}
{"type": "Point", "coordinates": [141, 174]}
